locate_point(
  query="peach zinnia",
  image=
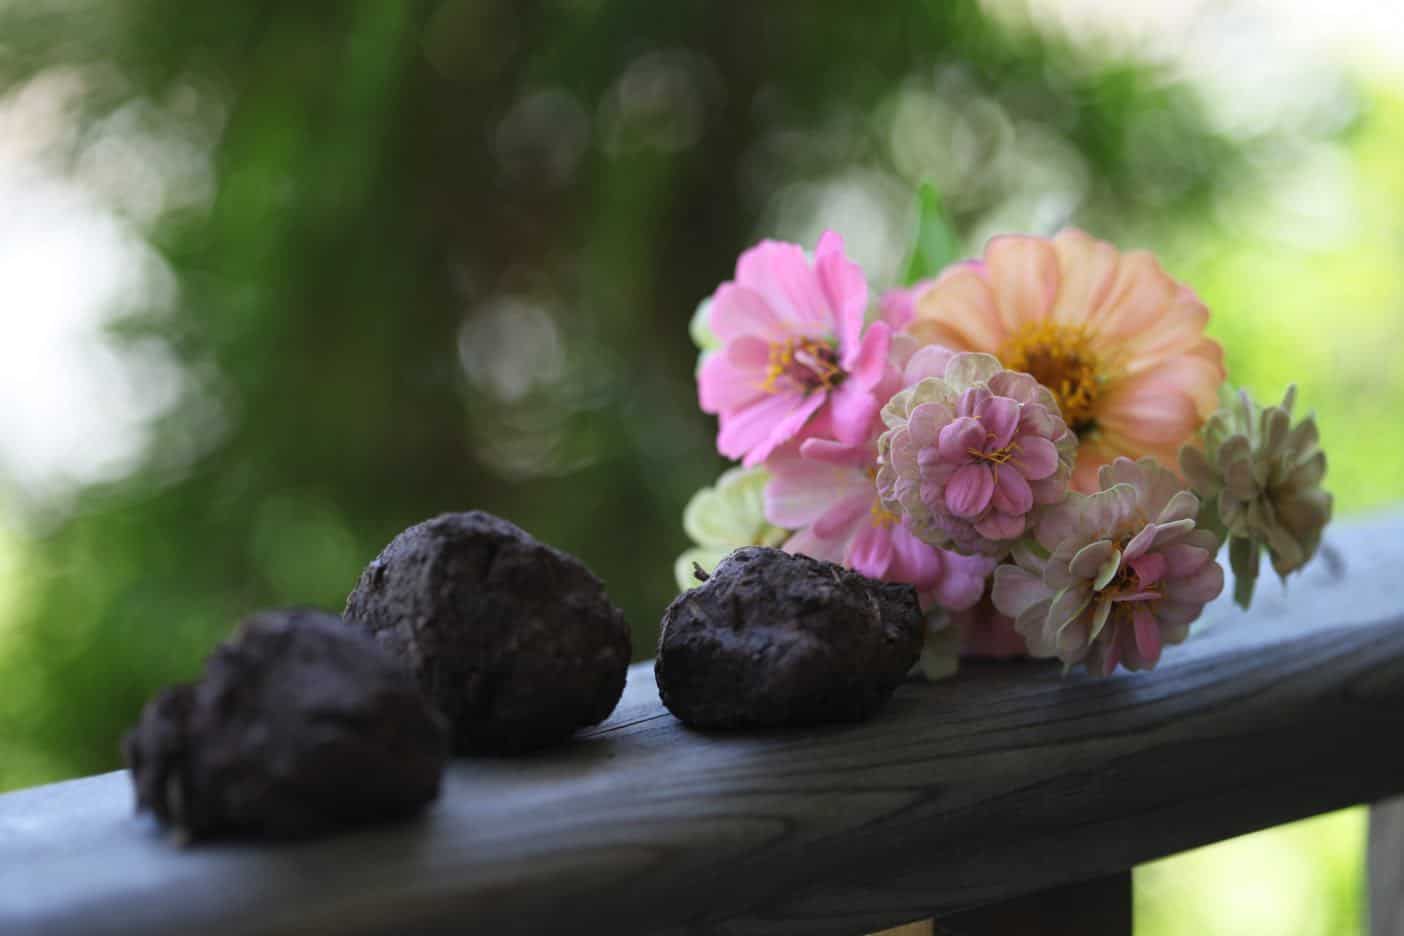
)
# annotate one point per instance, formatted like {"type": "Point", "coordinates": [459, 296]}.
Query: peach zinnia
{"type": "Point", "coordinates": [1119, 343]}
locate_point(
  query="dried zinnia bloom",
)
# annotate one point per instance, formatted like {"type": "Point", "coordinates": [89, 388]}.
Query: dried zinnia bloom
{"type": "Point", "coordinates": [1119, 343]}
{"type": "Point", "coordinates": [1121, 573]}
{"type": "Point", "coordinates": [726, 516]}
{"type": "Point", "coordinates": [1260, 477]}
{"type": "Point", "coordinates": [970, 457]}
{"type": "Point", "coordinates": [793, 354]}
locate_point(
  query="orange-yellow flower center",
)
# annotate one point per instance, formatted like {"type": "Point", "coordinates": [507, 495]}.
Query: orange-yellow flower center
{"type": "Point", "coordinates": [1061, 358]}
{"type": "Point", "coordinates": [802, 364]}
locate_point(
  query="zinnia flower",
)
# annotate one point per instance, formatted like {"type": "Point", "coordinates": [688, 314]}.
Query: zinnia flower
{"type": "Point", "coordinates": [726, 516]}
{"type": "Point", "coordinates": [968, 457]}
{"type": "Point", "coordinates": [1260, 477]}
{"type": "Point", "coordinates": [1124, 573]}
{"type": "Point", "coordinates": [793, 352]}
{"type": "Point", "coordinates": [1119, 342]}
{"type": "Point", "coordinates": [824, 491]}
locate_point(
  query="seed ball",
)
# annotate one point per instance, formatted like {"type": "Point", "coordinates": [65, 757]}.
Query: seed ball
{"type": "Point", "coordinates": [774, 640]}
{"type": "Point", "coordinates": [515, 641]}
{"type": "Point", "coordinates": [298, 726]}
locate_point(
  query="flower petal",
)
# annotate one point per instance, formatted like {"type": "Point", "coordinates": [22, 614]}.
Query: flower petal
{"type": "Point", "coordinates": [737, 311]}
{"type": "Point", "coordinates": [853, 413]}
{"type": "Point", "coordinates": [845, 291]}
{"type": "Point", "coordinates": [1001, 417]}
{"type": "Point", "coordinates": [781, 274]}
{"type": "Point", "coordinates": [1035, 457]}
{"type": "Point", "coordinates": [1016, 590]}
{"type": "Point", "coordinates": [1147, 636]}
{"type": "Point", "coordinates": [865, 360]}
{"type": "Point", "coordinates": [1012, 493]}
{"type": "Point", "coordinates": [871, 552]}
{"type": "Point", "coordinates": [1024, 273]}
{"type": "Point", "coordinates": [969, 490]}
{"type": "Point", "coordinates": [959, 438]}
{"type": "Point", "coordinates": [801, 490]}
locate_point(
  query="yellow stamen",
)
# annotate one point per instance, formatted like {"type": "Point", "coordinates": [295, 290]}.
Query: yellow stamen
{"type": "Point", "coordinates": [811, 364]}
{"type": "Point", "coordinates": [1061, 358]}
{"type": "Point", "coordinates": [998, 456]}
{"type": "Point", "coordinates": [882, 517]}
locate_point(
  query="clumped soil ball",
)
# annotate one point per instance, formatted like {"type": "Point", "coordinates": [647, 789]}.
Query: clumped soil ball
{"type": "Point", "coordinates": [772, 639]}
{"type": "Point", "coordinates": [298, 726]}
{"type": "Point", "coordinates": [515, 641]}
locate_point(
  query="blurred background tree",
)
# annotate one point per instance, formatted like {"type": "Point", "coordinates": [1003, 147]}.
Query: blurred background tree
{"type": "Point", "coordinates": [337, 267]}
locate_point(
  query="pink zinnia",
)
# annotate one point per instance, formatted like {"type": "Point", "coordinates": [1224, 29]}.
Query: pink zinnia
{"type": "Point", "coordinates": [824, 491]}
{"type": "Point", "coordinates": [793, 355]}
{"type": "Point", "coordinates": [1121, 574]}
{"type": "Point", "coordinates": [971, 456]}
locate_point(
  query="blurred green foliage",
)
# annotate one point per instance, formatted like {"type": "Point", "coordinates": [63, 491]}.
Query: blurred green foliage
{"type": "Point", "coordinates": [446, 252]}
{"type": "Point", "coordinates": [448, 262]}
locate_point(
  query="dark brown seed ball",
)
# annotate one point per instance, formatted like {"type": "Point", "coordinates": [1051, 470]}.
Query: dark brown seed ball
{"type": "Point", "coordinates": [515, 641]}
{"type": "Point", "coordinates": [298, 726]}
{"type": "Point", "coordinates": [772, 639]}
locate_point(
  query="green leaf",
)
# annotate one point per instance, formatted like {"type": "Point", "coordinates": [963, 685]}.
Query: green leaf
{"type": "Point", "coordinates": [936, 246]}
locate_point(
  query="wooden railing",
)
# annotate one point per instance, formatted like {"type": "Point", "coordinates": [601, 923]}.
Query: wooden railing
{"type": "Point", "coordinates": [1006, 782]}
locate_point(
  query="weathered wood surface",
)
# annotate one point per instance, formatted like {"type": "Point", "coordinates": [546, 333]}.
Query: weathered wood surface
{"type": "Point", "coordinates": [1009, 779]}
{"type": "Point", "coordinates": [1387, 867]}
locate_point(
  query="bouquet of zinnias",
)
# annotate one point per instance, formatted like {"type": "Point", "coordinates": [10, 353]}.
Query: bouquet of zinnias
{"type": "Point", "coordinates": [1032, 439]}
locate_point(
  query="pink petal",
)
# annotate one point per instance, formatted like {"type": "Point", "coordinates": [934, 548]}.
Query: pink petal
{"type": "Point", "coordinates": [723, 387]}
{"type": "Point", "coordinates": [836, 453]}
{"type": "Point", "coordinates": [748, 432]}
{"type": "Point", "coordinates": [737, 311]}
{"type": "Point", "coordinates": [871, 552]}
{"type": "Point", "coordinates": [1036, 457]}
{"type": "Point", "coordinates": [749, 353]}
{"type": "Point", "coordinates": [845, 291]}
{"type": "Point", "coordinates": [805, 543]}
{"type": "Point", "coordinates": [800, 490]}
{"type": "Point", "coordinates": [781, 274]}
{"type": "Point", "coordinates": [1147, 636]}
{"type": "Point", "coordinates": [853, 413]}
{"type": "Point", "coordinates": [959, 438]}
{"type": "Point", "coordinates": [972, 401]}
{"type": "Point", "coordinates": [1001, 417]}
{"type": "Point", "coordinates": [1183, 559]}
{"type": "Point", "coordinates": [840, 519]}
{"type": "Point", "coordinates": [1148, 568]}
{"type": "Point", "coordinates": [1199, 588]}
{"type": "Point", "coordinates": [787, 428]}
{"type": "Point", "coordinates": [913, 561]}
{"type": "Point", "coordinates": [963, 580]}
{"type": "Point", "coordinates": [866, 361]}
{"type": "Point", "coordinates": [1012, 493]}
{"type": "Point", "coordinates": [969, 490]}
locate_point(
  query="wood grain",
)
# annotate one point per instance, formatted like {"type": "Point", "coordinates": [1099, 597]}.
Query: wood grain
{"type": "Point", "coordinates": [1387, 867]}
{"type": "Point", "coordinates": [1007, 780]}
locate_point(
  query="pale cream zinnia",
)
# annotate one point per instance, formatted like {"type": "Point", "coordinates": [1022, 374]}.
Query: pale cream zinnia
{"type": "Point", "coordinates": [1119, 343]}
